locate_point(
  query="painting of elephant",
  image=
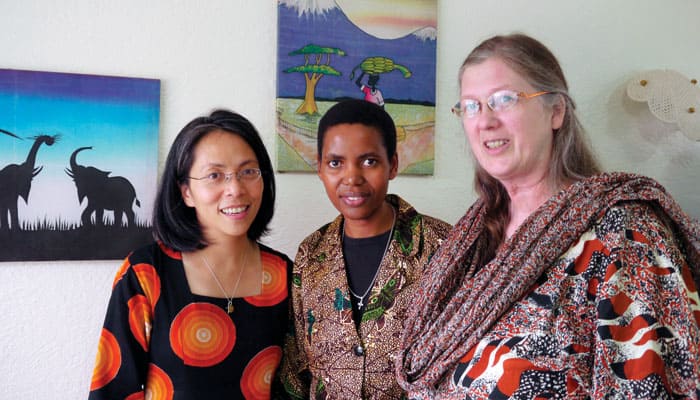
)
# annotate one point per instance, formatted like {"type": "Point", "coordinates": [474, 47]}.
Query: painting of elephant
{"type": "Point", "coordinates": [16, 181]}
{"type": "Point", "coordinates": [103, 192]}
{"type": "Point", "coordinates": [46, 120]}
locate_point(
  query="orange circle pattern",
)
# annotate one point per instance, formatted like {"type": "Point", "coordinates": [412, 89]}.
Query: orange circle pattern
{"type": "Point", "coordinates": [150, 282]}
{"type": "Point", "coordinates": [170, 252]}
{"type": "Point", "coordinates": [159, 386]}
{"type": "Point", "coordinates": [140, 318]}
{"type": "Point", "coordinates": [274, 285]}
{"type": "Point", "coordinates": [109, 359]}
{"type": "Point", "coordinates": [202, 335]}
{"type": "Point", "coordinates": [258, 374]}
{"type": "Point", "coordinates": [121, 271]}
{"type": "Point", "coordinates": [136, 396]}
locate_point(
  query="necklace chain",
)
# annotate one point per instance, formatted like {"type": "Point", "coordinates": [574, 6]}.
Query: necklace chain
{"type": "Point", "coordinates": [361, 299]}
{"type": "Point", "coordinates": [229, 305]}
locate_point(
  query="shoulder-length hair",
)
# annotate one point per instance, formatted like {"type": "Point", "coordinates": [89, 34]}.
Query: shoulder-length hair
{"type": "Point", "coordinates": [174, 223]}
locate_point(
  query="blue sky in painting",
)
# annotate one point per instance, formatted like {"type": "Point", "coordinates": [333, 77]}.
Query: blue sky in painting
{"type": "Point", "coordinates": [117, 116]}
{"type": "Point", "coordinates": [333, 29]}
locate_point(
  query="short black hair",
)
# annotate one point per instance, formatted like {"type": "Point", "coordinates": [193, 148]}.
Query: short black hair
{"type": "Point", "coordinates": [174, 223]}
{"type": "Point", "coordinates": [359, 112]}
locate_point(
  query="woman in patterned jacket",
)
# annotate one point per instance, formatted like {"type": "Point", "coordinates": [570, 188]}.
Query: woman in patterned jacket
{"type": "Point", "coordinates": [353, 278]}
{"type": "Point", "coordinates": [560, 281]}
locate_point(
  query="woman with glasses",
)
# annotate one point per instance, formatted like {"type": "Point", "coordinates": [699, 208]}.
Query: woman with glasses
{"type": "Point", "coordinates": [560, 281]}
{"type": "Point", "coordinates": [201, 313]}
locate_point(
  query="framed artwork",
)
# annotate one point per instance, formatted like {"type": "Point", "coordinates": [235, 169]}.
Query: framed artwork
{"type": "Point", "coordinates": [78, 165]}
{"type": "Point", "coordinates": [382, 51]}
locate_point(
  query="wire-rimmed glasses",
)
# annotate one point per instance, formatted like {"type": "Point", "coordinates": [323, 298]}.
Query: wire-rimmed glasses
{"type": "Point", "coordinates": [498, 101]}
{"type": "Point", "coordinates": [245, 175]}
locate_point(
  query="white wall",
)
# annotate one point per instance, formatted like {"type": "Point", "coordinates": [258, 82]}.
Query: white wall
{"type": "Point", "coordinates": [222, 53]}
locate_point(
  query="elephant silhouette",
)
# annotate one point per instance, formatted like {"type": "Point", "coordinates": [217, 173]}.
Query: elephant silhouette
{"type": "Point", "coordinates": [16, 181]}
{"type": "Point", "coordinates": [103, 192]}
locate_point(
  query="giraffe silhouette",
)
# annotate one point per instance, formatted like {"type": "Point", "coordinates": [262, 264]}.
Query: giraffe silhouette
{"type": "Point", "coordinates": [16, 181]}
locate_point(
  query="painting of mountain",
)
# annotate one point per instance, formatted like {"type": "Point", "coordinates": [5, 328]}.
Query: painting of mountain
{"type": "Point", "coordinates": [377, 50]}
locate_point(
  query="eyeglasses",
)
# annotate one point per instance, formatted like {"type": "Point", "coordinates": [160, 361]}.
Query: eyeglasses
{"type": "Point", "coordinates": [246, 175]}
{"type": "Point", "coordinates": [498, 101]}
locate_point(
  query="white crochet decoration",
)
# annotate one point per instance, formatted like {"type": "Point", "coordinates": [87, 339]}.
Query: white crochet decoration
{"type": "Point", "coordinates": [671, 98]}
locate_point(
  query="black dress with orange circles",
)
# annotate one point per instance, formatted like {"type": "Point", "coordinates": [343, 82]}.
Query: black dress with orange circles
{"type": "Point", "coordinates": [161, 341]}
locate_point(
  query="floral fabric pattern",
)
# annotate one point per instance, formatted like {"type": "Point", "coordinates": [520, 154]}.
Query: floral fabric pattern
{"type": "Point", "coordinates": [326, 356]}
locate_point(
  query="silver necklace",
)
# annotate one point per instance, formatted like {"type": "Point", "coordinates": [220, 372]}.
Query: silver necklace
{"type": "Point", "coordinates": [361, 299]}
{"type": "Point", "coordinates": [229, 306]}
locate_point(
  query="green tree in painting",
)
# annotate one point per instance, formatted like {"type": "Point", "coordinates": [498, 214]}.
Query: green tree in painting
{"type": "Point", "coordinates": [314, 69]}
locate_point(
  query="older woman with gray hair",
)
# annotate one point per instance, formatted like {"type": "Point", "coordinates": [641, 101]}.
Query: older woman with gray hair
{"type": "Point", "coordinates": [560, 281]}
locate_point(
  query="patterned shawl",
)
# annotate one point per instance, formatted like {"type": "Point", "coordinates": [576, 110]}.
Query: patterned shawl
{"type": "Point", "coordinates": [459, 301]}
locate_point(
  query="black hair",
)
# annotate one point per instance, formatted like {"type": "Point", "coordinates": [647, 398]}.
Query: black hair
{"type": "Point", "coordinates": [174, 223]}
{"type": "Point", "coordinates": [359, 112]}
{"type": "Point", "coordinates": [372, 80]}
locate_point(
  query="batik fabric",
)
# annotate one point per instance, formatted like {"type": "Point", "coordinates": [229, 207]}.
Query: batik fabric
{"type": "Point", "coordinates": [594, 296]}
{"type": "Point", "coordinates": [327, 357]}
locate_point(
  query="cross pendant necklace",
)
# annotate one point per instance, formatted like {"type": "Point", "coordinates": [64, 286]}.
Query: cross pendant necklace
{"type": "Point", "coordinates": [361, 299]}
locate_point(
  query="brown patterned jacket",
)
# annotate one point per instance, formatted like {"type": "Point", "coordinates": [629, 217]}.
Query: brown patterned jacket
{"type": "Point", "coordinates": [326, 357]}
